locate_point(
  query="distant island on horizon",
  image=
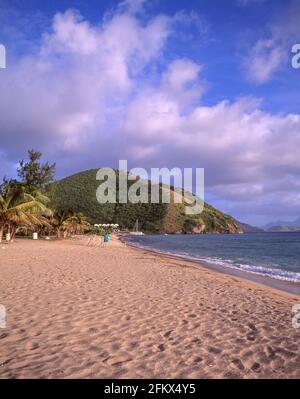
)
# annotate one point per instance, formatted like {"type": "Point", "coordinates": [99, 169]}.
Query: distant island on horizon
{"type": "Point", "coordinates": [283, 226]}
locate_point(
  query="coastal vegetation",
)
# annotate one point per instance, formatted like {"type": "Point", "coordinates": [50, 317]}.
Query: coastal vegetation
{"type": "Point", "coordinates": [77, 192]}
{"type": "Point", "coordinates": [19, 209]}
{"type": "Point", "coordinates": [35, 202]}
{"type": "Point", "coordinates": [25, 205]}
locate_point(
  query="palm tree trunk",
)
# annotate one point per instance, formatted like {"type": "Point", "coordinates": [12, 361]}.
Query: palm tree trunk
{"type": "Point", "coordinates": [1, 231]}
{"type": "Point", "coordinates": [13, 233]}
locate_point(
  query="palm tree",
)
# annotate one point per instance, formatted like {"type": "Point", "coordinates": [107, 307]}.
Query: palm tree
{"type": "Point", "coordinates": [18, 208]}
{"type": "Point", "coordinates": [57, 221]}
{"type": "Point", "coordinates": [76, 223]}
{"type": "Point", "coordinates": [68, 223]}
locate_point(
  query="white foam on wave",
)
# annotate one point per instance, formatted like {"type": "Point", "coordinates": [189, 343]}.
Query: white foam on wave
{"type": "Point", "coordinates": [279, 274]}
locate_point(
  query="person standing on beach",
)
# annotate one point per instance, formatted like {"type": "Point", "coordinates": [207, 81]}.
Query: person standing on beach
{"type": "Point", "coordinates": [106, 238]}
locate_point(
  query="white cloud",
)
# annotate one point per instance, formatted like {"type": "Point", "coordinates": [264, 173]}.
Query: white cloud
{"type": "Point", "coordinates": [65, 90]}
{"type": "Point", "coordinates": [264, 59]}
{"type": "Point", "coordinates": [132, 6]}
{"type": "Point", "coordinates": [272, 53]}
{"type": "Point", "coordinates": [248, 154]}
{"type": "Point", "coordinates": [71, 34]}
{"type": "Point", "coordinates": [84, 97]}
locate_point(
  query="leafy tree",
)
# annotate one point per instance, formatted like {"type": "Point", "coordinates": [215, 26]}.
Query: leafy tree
{"type": "Point", "coordinates": [33, 174]}
{"type": "Point", "coordinates": [189, 225]}
{"type": "Point", "coordinates": [17, 208]}
{"type": "Point", "coordinates": [67, 223]}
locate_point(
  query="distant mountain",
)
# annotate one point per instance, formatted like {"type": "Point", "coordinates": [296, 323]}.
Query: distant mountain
{"type": "Point", "coordinates": [295, 223]}
{"type": "Point", "coordinates": [283, 226]}
{"type": "Point", "coordinates": [78, 193]}
{"type": "Point", "coordinates": [247, 228]}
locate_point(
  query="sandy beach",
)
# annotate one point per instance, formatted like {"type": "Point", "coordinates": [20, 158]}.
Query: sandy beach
{"type": "Point", "coordinates": [79, 311]}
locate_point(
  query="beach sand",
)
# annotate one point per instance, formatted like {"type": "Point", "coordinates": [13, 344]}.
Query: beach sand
{"type": "Point", "coordinates": [78, 311]}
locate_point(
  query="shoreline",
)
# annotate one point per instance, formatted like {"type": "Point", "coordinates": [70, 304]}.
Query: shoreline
{"type": "Point", "coordinates": [287, 287]}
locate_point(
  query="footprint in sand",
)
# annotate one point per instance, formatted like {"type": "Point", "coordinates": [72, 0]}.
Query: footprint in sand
{"type": "Point", "coordinates": [252, 326]}
{"type": "Point", "coordinates": [197, 359]}
{"type": "Point", "coordinates": [255, 367]}
{"type": "Point", "coordinates": [118, 360]}
{"type": "Point", "coordinates": [214, 350]}
{"type": "Point", "coordinates": [238, 363]}
{"type": "Point", "coordinates": [32, 346]}
{"type": "Point", "coordinates": [251, 337]}
{"type": "Point", "coordinates": [4, 335]}
{"type": "Point", "coordinates": [92, 330]}
{"type": "Point", "coordinates": [168, 333]}
{"type": "Point", "coordinates": [161, 347]}
{"type": "Point", "coordinates": [196, 340]}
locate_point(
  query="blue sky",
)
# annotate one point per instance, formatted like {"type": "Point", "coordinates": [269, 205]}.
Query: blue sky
{"type": "Point", "coordinates": [160, 83]}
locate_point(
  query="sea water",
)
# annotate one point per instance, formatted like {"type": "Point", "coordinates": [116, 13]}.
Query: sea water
{"type": "Point", "coordinates": [274, 255]}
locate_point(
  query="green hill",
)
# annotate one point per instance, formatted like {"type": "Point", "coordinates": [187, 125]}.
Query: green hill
{"type": "Point", "coordinates": [78, 193]}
